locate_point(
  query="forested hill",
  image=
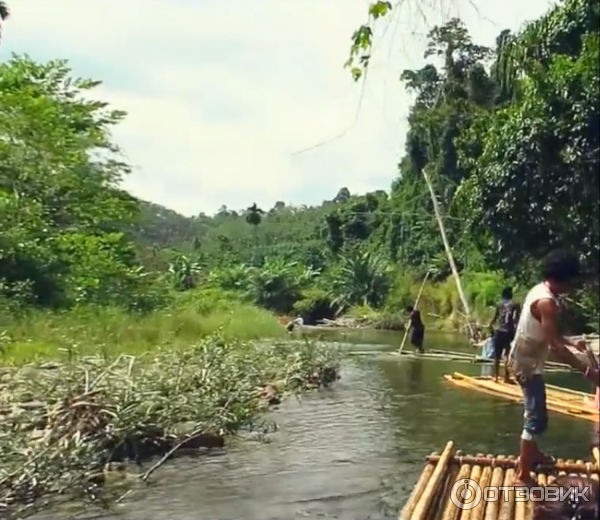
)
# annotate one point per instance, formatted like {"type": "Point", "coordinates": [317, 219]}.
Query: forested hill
{"type": "Point", "coordinates": [511, 149]}
{"type": "Point", "coordinates": [509, 138]}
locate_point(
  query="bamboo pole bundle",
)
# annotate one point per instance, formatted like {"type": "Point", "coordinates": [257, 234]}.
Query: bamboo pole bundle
{"type": "Point", "coordinates": [552, 391]}
{"type": "Point", "coordinates": [567, 403]}
{"type": "Point", "coordinates": [587, 415]}
{"type": "Point", "coordinates": [433, 485]}
{"type": "Point", "coordinates": [431, 497]}
{"type": "Point", "coordinates": [501, 462]}
{"type": "Point", "coordinates": [569, 391]}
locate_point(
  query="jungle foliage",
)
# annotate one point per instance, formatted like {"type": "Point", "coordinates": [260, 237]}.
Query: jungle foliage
{"type": "Point", "coordinates": [509, 137]}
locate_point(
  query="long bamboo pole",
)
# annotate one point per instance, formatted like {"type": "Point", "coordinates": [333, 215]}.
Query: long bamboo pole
{"type": "Point", "coordinates": [502, 462]}
{"type": "Point", "coordinates": [438, 217]}
{"type": "Point", "coordinates": [415, 308]}
{"type": "Point", "coordinates": [433, 484]}
{"type": "Point", "coordinates": [413, 500]}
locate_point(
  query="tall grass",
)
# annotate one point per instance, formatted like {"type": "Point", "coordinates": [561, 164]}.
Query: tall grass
{"type": "Point", "coordinates": [39, 335]}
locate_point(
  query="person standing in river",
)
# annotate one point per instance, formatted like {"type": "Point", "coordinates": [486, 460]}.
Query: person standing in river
{"type": "Point", "coordinates": [536, 334]}
{"type": "Point", "coordinates": [506, 318]}
{"type": "Point", "coordinates": [417, 328]}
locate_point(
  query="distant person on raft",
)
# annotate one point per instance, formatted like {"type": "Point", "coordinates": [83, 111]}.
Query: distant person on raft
{"type": "Point", "coordinates": [417, 329]}
{"type": "Point", "coordinates": [536, 334]}
{"type": "Point", "coordinates": [505, 318]}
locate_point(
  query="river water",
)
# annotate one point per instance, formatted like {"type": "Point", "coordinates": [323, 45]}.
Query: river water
{"type": "Point", "coordinates": [353, 451]}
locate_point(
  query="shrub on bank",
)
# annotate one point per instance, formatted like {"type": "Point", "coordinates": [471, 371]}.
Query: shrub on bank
{"type": "Point", "coordinates": [74, 418]}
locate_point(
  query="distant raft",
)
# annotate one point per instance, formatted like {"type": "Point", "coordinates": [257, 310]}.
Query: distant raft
{"type": "Point", "coordinates": [431, 496]}
{"type": "Point", "coordinates": [560, 400]}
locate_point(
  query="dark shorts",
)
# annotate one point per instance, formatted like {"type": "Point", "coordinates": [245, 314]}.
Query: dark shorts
{"type": "Point", "coordinates": [502, 341]}
{"type": "Point", "coordinates": [416, 337]}
{"type": "Point", "coordinates": [534, 397]}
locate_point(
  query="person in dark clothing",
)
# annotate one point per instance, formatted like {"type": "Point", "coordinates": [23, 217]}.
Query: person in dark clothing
{"type": "Point", "coordinates": [506, 318]}
{"type": "Point", "coordinates": [417, 328]}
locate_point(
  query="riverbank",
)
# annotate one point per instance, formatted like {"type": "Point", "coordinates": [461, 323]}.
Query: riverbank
{"type": "Point", "coordinates": [366, 318]}
{"type": "Point", "coordinates": [81, 391]}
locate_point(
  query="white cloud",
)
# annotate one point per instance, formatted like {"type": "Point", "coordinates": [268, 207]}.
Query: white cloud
{"type": "Point", "coordinates": [220, 94]}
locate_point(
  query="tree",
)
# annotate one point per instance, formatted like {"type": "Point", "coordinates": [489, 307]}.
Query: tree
{"type": "Point", "coordinates": [61, 208]}
{"type": "Point", "coordinates": [254, 215]}
{"type": "Point", "coordinates": [4, 15]}
{"type": "Point", "coordinates": [534, 184]}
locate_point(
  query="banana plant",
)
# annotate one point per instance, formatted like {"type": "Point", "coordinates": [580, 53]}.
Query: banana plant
{"type": "Point", "coordinates": [277, 284]}
{"type": "Point", "coordinates": [183, 272]}
{"type": "Point", "coordinates": [362, 277]}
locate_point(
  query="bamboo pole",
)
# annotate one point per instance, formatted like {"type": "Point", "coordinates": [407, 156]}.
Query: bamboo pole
{"type": "Point", "coordinates": [415, 308]}
{"type": "Point", "coordinates": [501, 462]}
{"type": "Point", "coordinates": [556, 395]}
{"type": "Point", "coordinates": [445, 495]}
{"type": "Point", "coordinates": [484, 481]}
{"type": "Point", "coordinates": [556, 406]}
{"type": "Point", "coordinates": [438, 217]}
{"type": "Point", "coordinates": [410, 505]}
{"type": "Point", "coordinates": [507, 506]}
{"type": "Point", "coordinates": [433, 485]}
{"type": "Point", "coordinates": [520, 505]}
{"type": "Point", "coordinates": [451, 512]}
{"type": "Point", "coordinates": [491, 512]}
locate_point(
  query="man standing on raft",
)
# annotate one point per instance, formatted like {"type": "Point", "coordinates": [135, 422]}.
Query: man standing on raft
{"type": "Point", "coordinates": [506, 316]}
{"type": "Point", "coordinates": [417, 328]}
{"type": "Point", "coordinates": [537, 332]}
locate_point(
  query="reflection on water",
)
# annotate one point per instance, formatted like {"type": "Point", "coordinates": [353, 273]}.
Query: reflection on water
{"type": "Point", "coordinates": [353, 451]}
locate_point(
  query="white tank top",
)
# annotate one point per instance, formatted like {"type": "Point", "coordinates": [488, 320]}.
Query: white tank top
{"type": "Point", "coordinates": [529, 329]}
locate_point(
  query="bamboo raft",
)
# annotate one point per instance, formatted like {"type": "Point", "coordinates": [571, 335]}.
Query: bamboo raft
{"type": "Point", "coordinates": [552, 365]}
{"type": "Point", "coordinates": [560, 400]}
{"type": "Point", "coordinates": [431, 496]}
{"type": "Point", "coordinates": [451, 355]}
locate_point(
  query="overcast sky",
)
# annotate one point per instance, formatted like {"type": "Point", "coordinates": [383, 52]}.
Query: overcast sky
{"type": "Point", "coordinates": [221, 94]}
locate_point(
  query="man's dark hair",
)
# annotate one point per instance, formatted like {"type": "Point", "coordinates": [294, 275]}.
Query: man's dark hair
{"type": "Point", "coordinates": [561, 266]}
{"type": "Point", "coordinates": [507, 293]}
{"type": "Point", "coordinates": [410, 308]}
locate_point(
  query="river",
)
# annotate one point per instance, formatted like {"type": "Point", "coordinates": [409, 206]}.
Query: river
{"type": "Point", "coordinates": [353, 451]}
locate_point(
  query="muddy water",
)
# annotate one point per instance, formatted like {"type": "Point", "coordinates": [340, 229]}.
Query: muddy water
{"type": "Point", "coordinates": [353, 451]}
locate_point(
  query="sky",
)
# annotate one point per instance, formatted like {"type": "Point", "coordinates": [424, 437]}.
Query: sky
{"type": "Point", "coordinates": [222, 95]}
